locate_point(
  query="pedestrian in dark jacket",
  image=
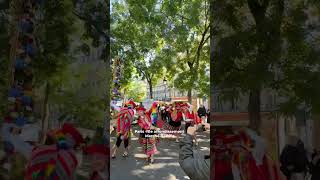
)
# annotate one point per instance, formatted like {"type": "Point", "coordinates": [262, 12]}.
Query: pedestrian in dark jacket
{"type": "Point", "coordinates": [195, 168]}
{"type": "Point", "coordinates": [315, 165]}
{"type": "Point", "coordinates": [202, 113]}
{"type": "Point", "coordinates": [294, 161]}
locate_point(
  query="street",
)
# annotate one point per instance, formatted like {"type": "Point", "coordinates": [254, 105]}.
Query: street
{"type": "Point", "coordinates": [166, 165]}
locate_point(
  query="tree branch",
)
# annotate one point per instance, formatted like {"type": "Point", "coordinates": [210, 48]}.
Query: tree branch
{"type": "Point", "coordinates": [258, 10]}
{"type": "Point", "coordinates": [144, 74]}
{"type": "Point", "coordinates": [92, 23]}
{"type": "Point", "coordinates": [202, 42]}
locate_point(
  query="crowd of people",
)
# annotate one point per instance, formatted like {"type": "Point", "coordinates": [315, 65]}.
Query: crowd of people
{"type": "Point", "coordinates": [236, 154]}
{"type": "Point", "coordinates": [241, 154]}
{"type": "Point", "coordinates": [56, 158]}
{"type": "Point", "coordinates": [153, 122]}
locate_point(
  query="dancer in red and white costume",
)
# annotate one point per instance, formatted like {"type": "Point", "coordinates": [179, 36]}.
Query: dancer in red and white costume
{"type": "Point", "coordinates": [147, 138]}
{"type": "Point", "coordinates": [175, 119]}
{"type": "Point", "coordinates": [191, 118]}
{"type": "Point", "coordinates": [125, 118]}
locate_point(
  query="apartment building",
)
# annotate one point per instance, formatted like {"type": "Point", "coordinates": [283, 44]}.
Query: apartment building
{"type": "Point", "coordinates": [163, 92]}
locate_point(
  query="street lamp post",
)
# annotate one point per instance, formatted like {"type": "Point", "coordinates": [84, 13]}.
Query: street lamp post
{"type": "Point", "coordinates": [165, 88]}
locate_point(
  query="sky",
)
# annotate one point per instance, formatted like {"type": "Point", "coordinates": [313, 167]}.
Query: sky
{"type": "Point", "coordinates": [113, 1]}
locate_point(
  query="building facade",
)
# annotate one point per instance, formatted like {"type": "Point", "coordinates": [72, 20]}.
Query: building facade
{"type": "Point", "coordinates": [163, 92]}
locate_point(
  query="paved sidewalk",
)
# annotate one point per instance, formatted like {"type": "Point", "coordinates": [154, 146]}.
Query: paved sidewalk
{"type": "Point", "coordinates": [165, 167]}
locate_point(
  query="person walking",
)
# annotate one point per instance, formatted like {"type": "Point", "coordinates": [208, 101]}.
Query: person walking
{"type": "Point", "coordinates": [98, 156]}
{"type": "Point", "coordinates": [208, 116]}
{"type": "Point", "coordinates": [315, 165]}
{"type": "Point", "coordinates": [202, 113]}
{"type": "Point", "coordinates": [191, 120]}
{"type": "Point", "coordinates": [147, 138]}
{"type": "Point", "coordinates": [195, 168]}
{"type": "Point", "coordinates": [123, 127]}
{"type": "Point", "coordinates": [293, 159]}
{"type": "Point", "coordinates": [43, 162]}
{"type": "Point", "coordinates": [176, 117]}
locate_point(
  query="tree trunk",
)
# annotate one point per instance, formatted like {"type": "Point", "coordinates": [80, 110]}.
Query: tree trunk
{"type": "Point", "coordinates": [45, 112]}
{"type": "Point", "coordinates": [192, 79]}
{"type": "Point", "coordinates": [150, 89]}
{"type": "Point", "coordinates": [233, 104]}
{"type": "Point", "coordinates": [269, 50]}
{"type": "Point", "coordinates": [108, 78]}
{"type": "Point", "coordinates": [211, 67]}
{"type": "Point", "coordinates": [190, 95]}
{"type": "Point", "coordinates": [254, 110]}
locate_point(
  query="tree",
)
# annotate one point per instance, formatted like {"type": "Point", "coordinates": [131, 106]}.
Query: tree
{"type": "Point", "coordinates": [268, 29]}
{"type": "Point", "coordinates": [247, 48]}
{"type": "Point", "coordinates": [136, 91]}
{"type": "Point", "coordinates": [137, 39]}
{"type": "Point", "coordinates": [188, 35]}
{"type": "Point", "coordinates": [264, 45]}
{"type": "Point", "coordinates": [164, 38]}
{"type": "Point", "coordinates": [53, 38]}
{"type": "Point", "coordinates": [299, 65]}
{"type": "Point", "coordinates": [72, 98]}
{"type": "Point", "coordinates": [96, 15]}
{"type": "Point", "coordinates": [151, 73]}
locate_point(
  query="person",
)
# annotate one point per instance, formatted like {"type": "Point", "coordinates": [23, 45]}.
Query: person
{"type": "Point", "coordinates": [175, 119]}
{"type": "Point", "coordinates": [43, 162]}
{"type": "Point", "coordinates": [98, 156]}
{"type": "Point", "coordinates": [294, 159]}
{"type": "Point", "coordinates": [146, 137]}
{"type": "Point", "coordinates": [191, 119]}
{"type": "Point", "coordinates": [131, 104]}
{"type": "Point", "coordinates": [315, 165]}
{"type": "Point", "coordinates": [165, 116]}
{"type": "Point", "coordinates": [123, 130]}
{"type": "Point", "coordinates": [87, 139]}
{"type": "Point", "coordinates": [154, 113]}
{"type": "Point", "coordinates": [259, 165]}
{"type": "Point", "coordinates": [202, 113]}
{"type": "Point", "coordinates": [195, 168]}
{"type": "Point", "coordinates": [222, 155]}
{"type": "Point", "coordinates": [208, 116]}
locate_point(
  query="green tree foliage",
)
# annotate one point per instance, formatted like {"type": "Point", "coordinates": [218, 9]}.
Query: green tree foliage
{"type": "Point", "coordinates": [53, 36]}
{"type": "Point", "coordinates": [76, 99]}
{"type": "Point", "coordinates": [71, 88]}
{"type": "Point", "coordinates": [264, 44]}
{"type": "Point", "coordinates": [96, 17]}
{"type": "Point", "coordinates": [53, 41]}
{"type": "Point", "coordinates": [187, 37]}
{"type": "Point", "coordinates": [136, 91]}
{"type": "Point", "coordinates": [136, 29]}
{"type": "Point", "coordinates": [57, 79]}
{"type": "Point", "coordinates": [300, 60]}
{"type": "Point", "coordinates": [164, 38]}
